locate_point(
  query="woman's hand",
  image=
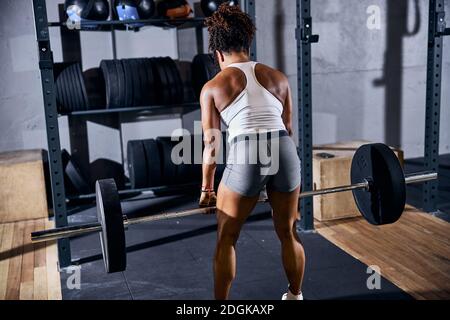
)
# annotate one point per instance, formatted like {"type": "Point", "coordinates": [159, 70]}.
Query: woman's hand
{"type": "Point", "coordinates": [208, 198]}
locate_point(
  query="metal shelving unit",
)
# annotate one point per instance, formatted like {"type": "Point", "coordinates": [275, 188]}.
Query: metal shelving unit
{"type": "Point", "coordinates": [436, 30]}
{"type": "Point", "coordinates": [78, 120]}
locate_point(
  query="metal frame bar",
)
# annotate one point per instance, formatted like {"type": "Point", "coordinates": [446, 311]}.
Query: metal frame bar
{"type": "Point", "coordinates": [250, 8]}
{"type": "Point", "coordinates": [303, 34]}
{"type": "Point", "coordinates": [436, 29]}
{"type": "Point", "coordinates": [51, 122]}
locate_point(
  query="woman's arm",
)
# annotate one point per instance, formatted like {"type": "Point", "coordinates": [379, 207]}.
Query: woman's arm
{"type": "Point", "coordinates": [287, 110]}
{"type": "Point", "coordinates": [211, 136]}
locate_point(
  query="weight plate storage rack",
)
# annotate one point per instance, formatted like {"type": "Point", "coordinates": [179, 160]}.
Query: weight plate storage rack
{"type": "Point", "coordinates": [78, 119]}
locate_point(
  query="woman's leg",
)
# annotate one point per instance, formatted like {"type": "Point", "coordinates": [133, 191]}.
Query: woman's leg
{"type": "Point", "coordinates": [232, 211]}
{"type": "Point", "coordinates": [285, 214]}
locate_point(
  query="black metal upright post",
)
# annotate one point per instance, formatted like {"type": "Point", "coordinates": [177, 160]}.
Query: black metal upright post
{"type": "Point", "coordinates": [436, 29]}
{"type": "Point", "coordinates": [51, 120]}
{"type": "Point", "coordinates": [304, 39]}
{"type": "Point", "coordinates": [250, 8]}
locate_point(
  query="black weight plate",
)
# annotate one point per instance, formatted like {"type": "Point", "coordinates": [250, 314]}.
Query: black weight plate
{"type": "Point", "coordinates": [95, 88]}
{"type": "Point", "coordinates": [153, 160]}
{"type": "Point", "coordinates": [159, 94]}
{"type": "Point", "coordinates": [112, 236]}
{"type": "Point", "coordinates": [84, 96]}
{"type": "Point", "coordinates": [70, 189]}
{"type": "Point", "coordinates": [107, 169]}
{"type": "Point", "coordinates": [129, 84]}
{"type": "Point", "coordinates": [170, 80]}
{"type": "Point", "coordinates": [137, 166]}
{"type": "Point", "coordinates": [122, 86]}
{"type": "Point", "coordinates": [178, 96]}
{"type": "Point", "coordinates": [162, 80]}
{"type": "Point", "coordinates": [130, 74]}
{"type": "Point", "coordinates": [203, 69]}
{"type": "Point", "coordinates": [169, 168]}
{"type": "Point", "coordinates": [150, 89]}
{"type": "Point", "coordinates": [166, 84]}
{"type": "Point", "coordinates": [70, 77]}
{"type": "Point", "coordinates": [60, 96]}
{"type": "Point", "coordinates": [109, 70]}
{"type": "Point", "coordinates": [192, 171]}
{"type": "Point", "coordinates": [78, 93]}
{"type": "Point", "coordinates": [179, 83]}
{"type": "Point", "coordinates": [137, 91]}
{"type": "Point", "coordinates": [180, 149]}
{"type": "Point", "coordinates": [73, 175]}
{"type": "Point", "coordinates": [143, 75]}
{"type": "Point", "coordinates": [58, 67]}
{"type": "Point", "coordinates": [104, 67]}
{"type": "Point", "coordinates": [65, 92]}
{"type": "Point", "coordinates": [385, 201]}
{"type": "Point", "coordinates": [143, 81]}
{"type": "Point", "coordinates": [65, 98]}
{"type": "Point", "coordinates": [68, 89]}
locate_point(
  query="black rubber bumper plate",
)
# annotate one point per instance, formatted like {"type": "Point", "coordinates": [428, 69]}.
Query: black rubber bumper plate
{"type": "Point", "coordinates": [385, 201]}
{"type": "Point", "coordinates": [137, 164]}
{"type": "Point", "coordinates": [112, 236]}
{"type": "Point", "coordinates": [153, 160]}
{"type": "Point", "coordinates": [95, 88]}
{"type": "Point", "coordinates": [110, 74]}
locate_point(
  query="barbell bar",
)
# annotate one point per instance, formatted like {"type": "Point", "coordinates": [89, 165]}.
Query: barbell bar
{"type": "Point", "coordinates": [80, 229]}
{"type": "Point", "coordinates": [377, 182]}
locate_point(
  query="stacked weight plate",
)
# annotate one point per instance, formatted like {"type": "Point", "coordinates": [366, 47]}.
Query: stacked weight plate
{"type": "Point", "coordinates": [144, 164]}
{"type": "Point", "coordinates": [95, 88]}
{"type": "Point", "coordinates": [162, 161]}
{"type": "Point", "coordinates": [75, 182]}
{"type": "Point", "coordinates": [71, 92]}
{"type": "Point", "coordinates": [141, 82]}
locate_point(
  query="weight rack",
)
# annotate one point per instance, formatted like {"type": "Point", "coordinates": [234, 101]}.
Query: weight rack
{"type": "Point", "coordinates": [77, 120]}
{"type": "Point", "coordinates": [304, 37]}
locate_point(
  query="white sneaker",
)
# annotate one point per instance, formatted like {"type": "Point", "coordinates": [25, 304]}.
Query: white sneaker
{"type": "Point", "coordinates": [290, 296]}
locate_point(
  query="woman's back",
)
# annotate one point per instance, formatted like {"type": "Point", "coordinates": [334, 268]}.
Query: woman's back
{"type": "Point", "coordinates": [250, 97]}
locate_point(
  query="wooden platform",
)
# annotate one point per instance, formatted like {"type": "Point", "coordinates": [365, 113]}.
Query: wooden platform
{"type": "Point", "coordinates": [413, 253]}
{"type": "Point", "coordinates": [27, 271]}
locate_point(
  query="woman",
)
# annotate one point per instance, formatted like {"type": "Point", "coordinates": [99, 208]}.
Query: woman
{"type": "Point", "coordinates": [255, 103]}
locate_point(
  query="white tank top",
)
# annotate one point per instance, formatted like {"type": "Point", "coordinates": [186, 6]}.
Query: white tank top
{"type": "Point", "coordinates": [255, 109]}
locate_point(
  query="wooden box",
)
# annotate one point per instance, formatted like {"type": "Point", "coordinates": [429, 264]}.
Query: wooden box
{"type": "Point", "coordinates": [333, 172]}
{"type": "Point", "coordinates": [22, 193]}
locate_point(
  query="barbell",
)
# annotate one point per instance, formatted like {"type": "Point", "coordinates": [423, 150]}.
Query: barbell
{"type": "Point", "coordinates": [378, 184]}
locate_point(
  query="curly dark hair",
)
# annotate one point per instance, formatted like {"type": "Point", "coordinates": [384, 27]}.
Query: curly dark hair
{"type": "Point", "coordinates": [230, 29]}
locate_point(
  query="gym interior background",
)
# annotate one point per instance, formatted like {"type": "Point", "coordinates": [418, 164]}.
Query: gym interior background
{"type": "Point", "coordinates": [368, 84]}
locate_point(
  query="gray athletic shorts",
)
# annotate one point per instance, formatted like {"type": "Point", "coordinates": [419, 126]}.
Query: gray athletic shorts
{"type": "Point", "coordinates": [262, 160]}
